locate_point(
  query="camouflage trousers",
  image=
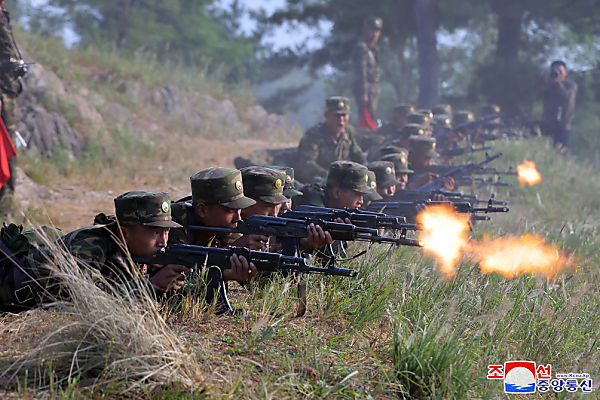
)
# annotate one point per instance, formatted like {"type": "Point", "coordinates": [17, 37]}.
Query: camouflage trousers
{"type": "Point", "coordinates": [9, 116]}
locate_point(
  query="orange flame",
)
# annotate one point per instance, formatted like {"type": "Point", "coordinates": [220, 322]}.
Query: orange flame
{"type": "Point", "coordinates": [514, 256]}
{"type": "Point", "coordinates": [528, 174]}
{"type": "Point", "coordinates": [443, 234]}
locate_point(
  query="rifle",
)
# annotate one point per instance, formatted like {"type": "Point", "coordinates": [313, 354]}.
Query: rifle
{"type": "Point", "coordinates": [358, 217]}
{"type": "Point", "coordinates": [290, 231]}
{"type": "Point", "coordinates": [459, 151]}
{"type": "Point", "coordinates": [467, 126]}
{"type": "Point", "coordinates": [424, 195]}
{"type": "Point", "coordinates": [480, 182]}
{"type": "Point", "coordinates": [17, 68]}
{"type": "Point", "coordinates": [460, 170]}
{"type": "Point", "coordinates": [409, 208]}
{"type": "Point", "coordinates": [194, 256]}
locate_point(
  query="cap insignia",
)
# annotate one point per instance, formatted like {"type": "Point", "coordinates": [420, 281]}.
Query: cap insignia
{"type": "Point", "coordinates": [367, 178]}
{"type": "Point", "coordinates": [165, 207]}
{"type": "Point", "coordinates": [388, 170]}
{"type": "Point", "coordinates": [238, 185]}
{"type": "Point", "coordinates": [373, 185]}
{"type": "Point", "coordinates": [288, 179]}
{"type": "Point", "coordinates": [278, 183]}
{"type": "Point", "coordinates": [403, 160]}
{"type": "Point", "coordinates": [433, 146]}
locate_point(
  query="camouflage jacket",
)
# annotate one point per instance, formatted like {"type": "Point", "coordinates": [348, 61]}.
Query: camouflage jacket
{"type": "Point", "coordinates": [8, 84]}
{"type": "Point", "coordinates": [182, 213]}
{"type": "Point", "coordinates": [366, 69]}
{"type": "Point", "coordinates": [92, 247]}
{"type": "Point", "coordinates": [312, 195]}
{"type": "Point", "coordinates": [318, 149]}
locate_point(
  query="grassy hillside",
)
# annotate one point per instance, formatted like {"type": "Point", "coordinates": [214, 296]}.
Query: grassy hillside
{"type": "Point", "coordinates": [400, 330]}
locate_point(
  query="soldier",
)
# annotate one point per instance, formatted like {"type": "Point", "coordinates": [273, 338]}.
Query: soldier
{"type": "Point", "coordinates": [327, 142]}
{"type": "Point", "coordinates": [346, 184]}
{"type": "Point", "coordinates": [462, 117]}
{"type": "Point", "coordinates": [445, 109]}
{"type": "Point", "coordinates": [391, 130]}
{"type": "Point", "coordinates": [141, 226]}
{"type": "Point", "coordinates": [365, 58]}
{"type": "Point", "coordinates": [400, 142]}
{"type": "Point", "coordinates": [400, 161]}
{"type": "Point", "coordinates": [289, 187]}
{"type": "Point", "coordinates": [265, 186]}
{"type": "Point", "coordinates": [423, 120]}
{"type": "Point", "coordinates": [216, 202]}
{"type": "Point", "coordinates": [386, 178]}
{"type": "Point", "coordinates": [420, 154]}
{"type": "Point", "coordinates": [370, 197]}
{"type": "Point", "coordinates": [10, 88]}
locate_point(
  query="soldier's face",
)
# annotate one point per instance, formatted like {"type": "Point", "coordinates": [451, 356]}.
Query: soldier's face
{"type": "Point", "coordinates": [386, 191]}
{"type": "Point", "coordinates": [218, 216]}
{"type": "Point", "coordinates": [372, 35]}
{"type": "Point", "coordinates": [261, 208]}
{"type": "Point", "coordinates": [418, 161]}
{"type": "Point", "coordinates": [400, 122]}
{"type": "Point", "coordinates": [144, 241]}
{"type": "Point", "coordinates": [403, 179]}
{"type": "Point", "coordinates": [337, 122]}
{"type": "Point", "coordinates": [346, 198]}
{"type": "Point", "coordinates": [285, 206]}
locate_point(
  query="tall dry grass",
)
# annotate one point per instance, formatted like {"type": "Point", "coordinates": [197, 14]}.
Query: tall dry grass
{"type": "Point", "coordinates": [117, 341]}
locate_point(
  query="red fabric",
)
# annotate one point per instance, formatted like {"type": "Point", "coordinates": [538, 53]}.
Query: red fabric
{"type": "Point", "coordinates": [7, 151]}
{"type": "Point", "coordinates": [366, 120]}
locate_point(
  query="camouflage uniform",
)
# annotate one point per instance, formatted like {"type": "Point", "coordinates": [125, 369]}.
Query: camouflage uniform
{"type": "Point", "coordinates": [318, 149]}
{"type": "Point", "coordinates": [423, 145]}
{"type": "Point", "coordinates": [94, 249]}
{"type": "Point", "coordinates": [10, 88]}
{"type": "Point", "coordinates": [289, 187]}
{"type": "Point", "coordinates": [385, 173]}
{"type": "Point", "coordinates": [210, 186]}
{"type": "Point", "coordinates": [342, 174]}
{"type": "Point", "coordinates": [366, 69]}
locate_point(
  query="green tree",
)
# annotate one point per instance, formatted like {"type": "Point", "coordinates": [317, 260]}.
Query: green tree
{"type": "Point", "coordinates": [194, 31]}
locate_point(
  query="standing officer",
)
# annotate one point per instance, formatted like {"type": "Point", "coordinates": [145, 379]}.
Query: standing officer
{"type": "Point", "coordinates": [328, 141]}
{"type": "Point", "coordinates": [10, 88]}
{"type": "Point", "coordinates": [366, 66]}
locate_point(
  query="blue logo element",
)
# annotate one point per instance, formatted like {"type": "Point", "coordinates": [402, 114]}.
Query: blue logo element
{"type": "Point", "coordinates": [512, 388]}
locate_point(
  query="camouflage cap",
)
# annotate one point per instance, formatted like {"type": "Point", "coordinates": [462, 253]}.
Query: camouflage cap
{"type": "Point", "coordinates": [462, 117]}
{"type": "Point", "coordinates": [442, 109]}
{"type": "Point", "coordinates": [145, 207]}
{"type": "Point", "coordinates": [442, 120]}
{"type": "Point", "coordinates": [400, 161]}
{"type": "Point", "coordinates": [265, 184]}
{"type": "Point", "coordinates": [403, 110]}
{"type": "Point", "coordinates": [218, 185]}
{"type": "Point", "coordinates": [338, 105]}
{"type": "Point", "coordinates": [413, 130]}
{"type": "Point", "coordinates": [420, 119]}
{"type": "Point", "coordinates": [349, 175]}
{"type": "Point", "coordinates": [289, 188]}
{"type": "Point", "coordinates": [423, 111]}
{"type": "Point", "coordinates": [389, 149]}
{"type": "Point", "coordinates": [373, 185]}
{"type": "Point", "coordinates": [423, 145]}
{"type": "Point", "coordinates": [373, 23]}
{"type": "Point", "coordinates": [490, 109]}
{"type": "Point", "coordinates": [385, 173]}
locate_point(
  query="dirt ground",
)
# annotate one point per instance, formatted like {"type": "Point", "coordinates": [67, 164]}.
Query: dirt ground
{"type": "Point", "coordinates": [71, 205]}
